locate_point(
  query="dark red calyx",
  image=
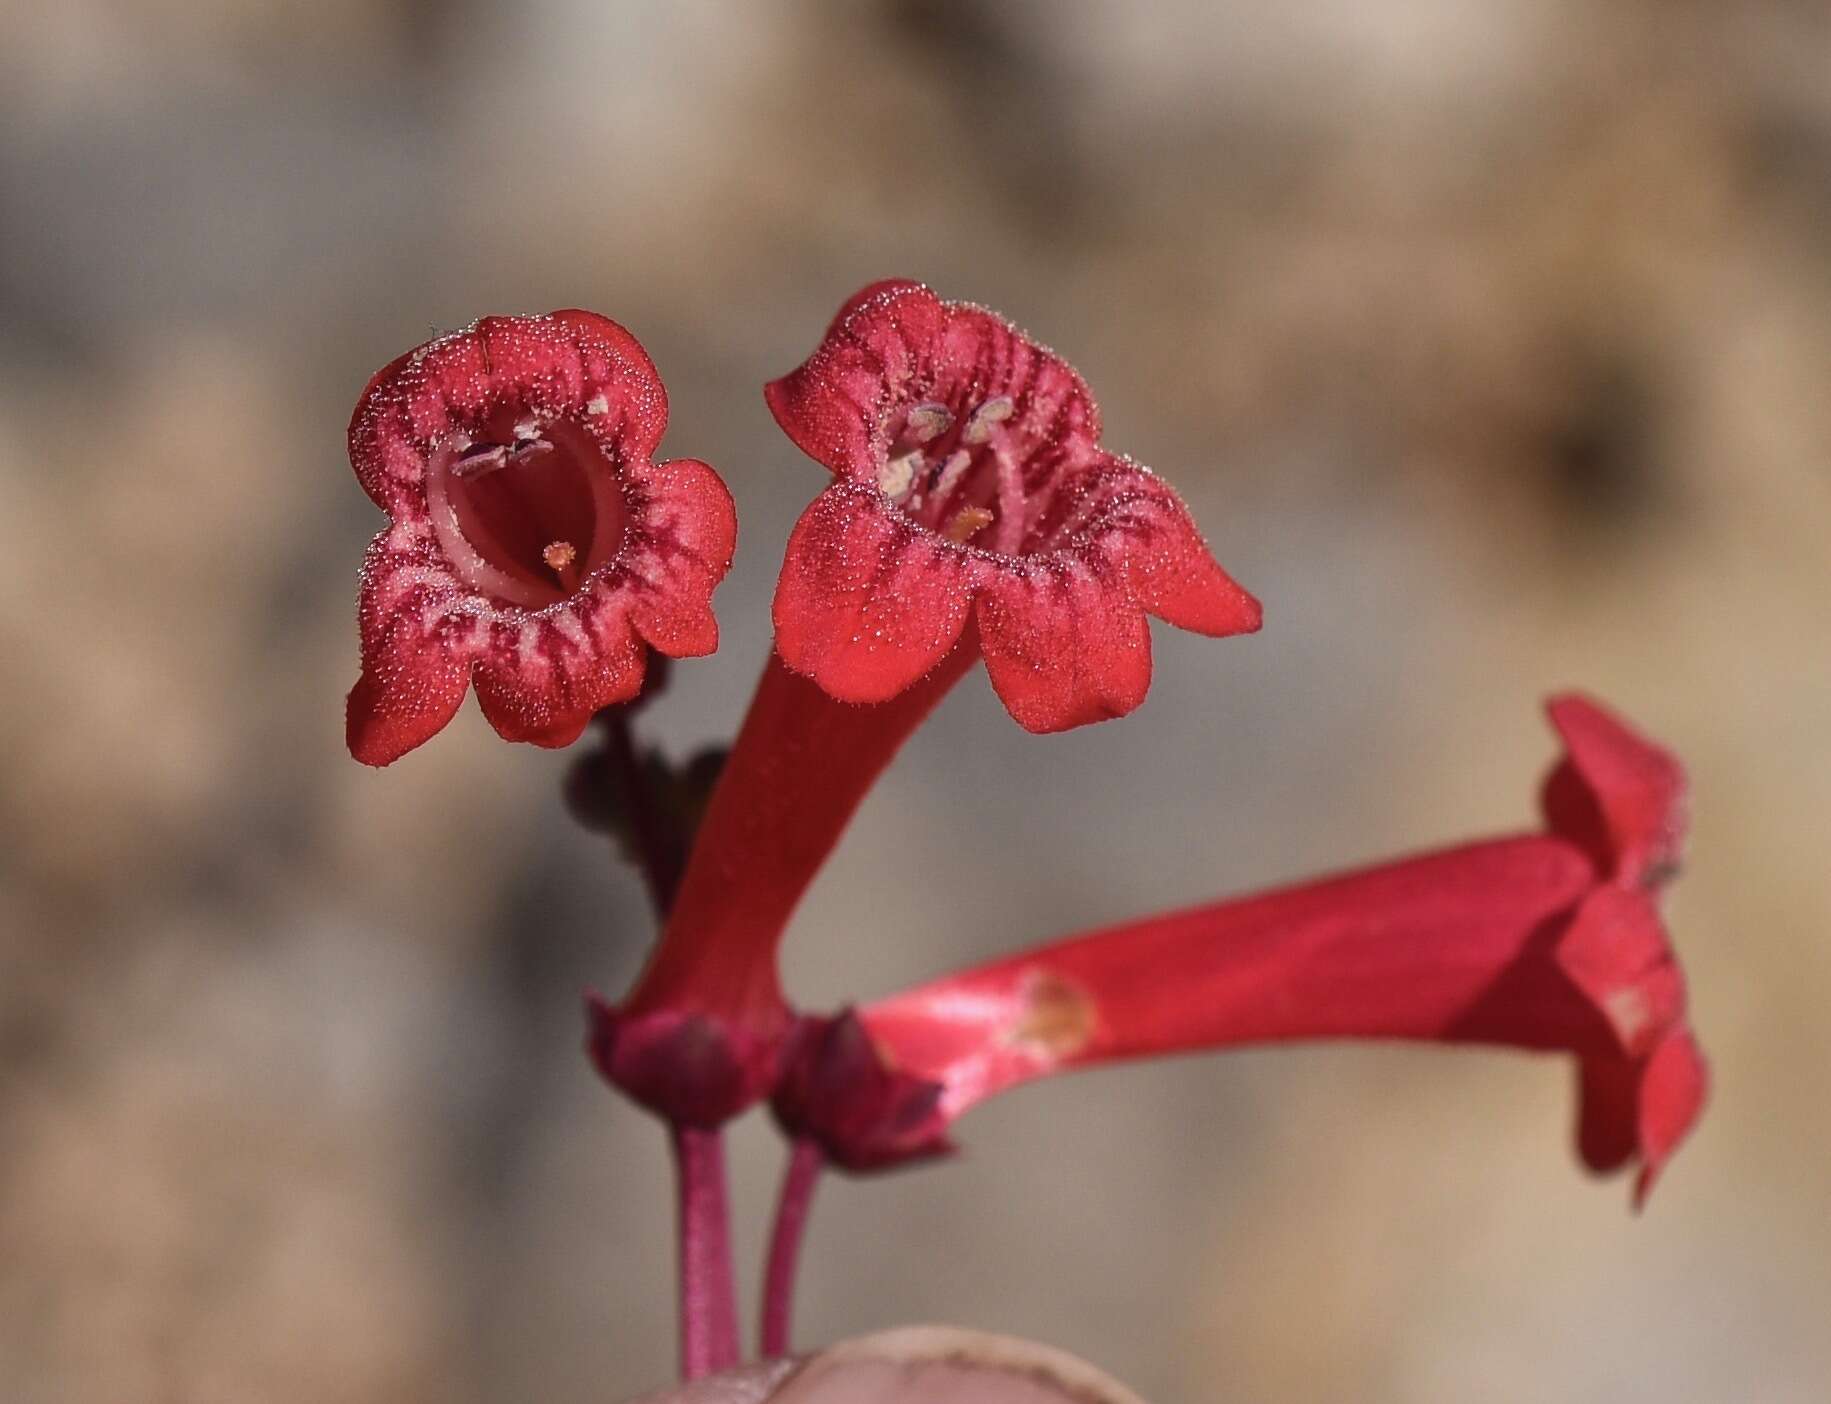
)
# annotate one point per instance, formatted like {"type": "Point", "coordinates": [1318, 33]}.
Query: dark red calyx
{"type": "Point", "coordinates": [688, 1068]}
{"type": "Point", "coordinates": [527, 508]}
{"type": "Point", "coordinates": [837, 1089]}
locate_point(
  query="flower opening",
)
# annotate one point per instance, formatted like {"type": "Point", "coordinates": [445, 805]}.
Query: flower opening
{"type": "Point", "coordinates": [971, 487]}
{"type": "Point", "coordinates": [534, 547]}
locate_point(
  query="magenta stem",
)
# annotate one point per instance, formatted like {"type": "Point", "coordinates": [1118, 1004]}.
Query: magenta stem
{"type": "Point", "coordinates": [708, 1291]}
{"type": "Point", "coordinates": [799, 1177]}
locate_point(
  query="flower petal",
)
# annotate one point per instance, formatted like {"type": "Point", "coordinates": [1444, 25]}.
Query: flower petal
{"type": "Point", "coordinates": [832, 404]}
{"type": "Point", "coordinates": [1674, 1085]}
{"type": "Point", "coordinates": [565, 362]}
{"type": "Point", "coordinates": [1617, 793]}
{"type": "Point", "coordinates": [415, 669]}
{"type": "Point", "coordinates": [1123, 513]}
{"type": "Point", "coordinates": [895, 344]}
{"type": "Point", "coordinates": [1616, 952]}
{"type": "Point", "coordinates": [1642, 1109]}
{"type": "Point", "coordinates": [679, 548]}
{"type": "Point", "coordinates": [1064, 643]}
{"type": "Point", "coordinates": [545, 675]}
{"type": "Point", "coordinates": [867, 601]}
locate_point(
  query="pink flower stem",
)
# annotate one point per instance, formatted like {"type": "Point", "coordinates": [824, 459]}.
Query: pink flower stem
{"type": "Point", "coordinates": [799, 1177]}
{"type": "Point", "coordinates": [708, 1292]}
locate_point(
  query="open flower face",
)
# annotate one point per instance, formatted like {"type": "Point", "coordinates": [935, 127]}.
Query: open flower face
{"type": "Point", "coordinates": [533, 545]}
{"type": "Point", "coordinates": [971, 487]}
{"type": "Point", "coordinates": [1549, 942]}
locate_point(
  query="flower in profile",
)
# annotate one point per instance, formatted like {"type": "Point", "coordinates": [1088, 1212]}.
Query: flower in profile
{"type": "Point", "coordinates": [1548, 941]}
{"type": "Point", "coordinates": [971, 487]}
{"type": "Point", "coordinates": [533, 547]}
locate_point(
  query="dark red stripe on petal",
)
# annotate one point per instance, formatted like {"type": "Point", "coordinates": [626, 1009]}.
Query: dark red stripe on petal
{"type": "Point", "coordinates": [1121, 512]}
{"type": "Point", "coordinates": [1063, 645]}
{"type": "Point", "coordinates": [678, 552]}
{"type": "Point", "coordinates": [833, 405]}
{"type": "Point", "coordinates": [415, 667]}
{"type": "Point", "coordinates": [867, 602]}
{"type": "Point", "coordinates": [566, 364]}
{"type": "Point", "coordinates": [544, 678]}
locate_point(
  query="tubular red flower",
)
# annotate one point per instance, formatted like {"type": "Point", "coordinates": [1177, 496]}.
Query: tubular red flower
{"type": "Point", "coordinates": [698, 1038]}
{"type": "Point", "coordinates": [972, 486]}
{"type": "Point", "coordinates": [1539, 941]}
{"type": "Point", "coordinates": [533, 545]}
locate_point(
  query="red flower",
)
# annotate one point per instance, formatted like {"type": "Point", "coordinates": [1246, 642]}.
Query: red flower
{"type": "Point", "coordinates": [1544, 941]}
{"type": "Point", "coordinates": [532, 546]}
{"type": "Point", "coordinates": [971, 481]}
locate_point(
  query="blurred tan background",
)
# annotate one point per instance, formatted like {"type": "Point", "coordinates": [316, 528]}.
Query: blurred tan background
{"type": "Point", "coordinates": [1491, 345]}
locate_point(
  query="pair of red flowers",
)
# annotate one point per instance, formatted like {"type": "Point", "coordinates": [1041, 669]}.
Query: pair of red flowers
{"type": "Point", "coordinates": [536, 549]}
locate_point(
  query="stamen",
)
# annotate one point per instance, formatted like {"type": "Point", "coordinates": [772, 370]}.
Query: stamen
{"type": "Point", "coordinates": [967, 521]}
{"type": "Point", "coordinates": [479, 459]}
{"type": "Point", "coordinates": [1011, 514]}
{"type": "Point", "coordinates": [561, 558]}
{"type": "Point", "coordinates": [952, 471]}
{"type": "Point", "coordinates": [927, 422]}
{"type": "Point", "coordinates": [987, 418]}
{"type": "Point", "coordinates": [895, 477]}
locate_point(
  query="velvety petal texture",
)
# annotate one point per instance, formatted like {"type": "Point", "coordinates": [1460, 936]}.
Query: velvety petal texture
{"type": "Point", "coordinates": [1532, 942]}
{"type": "Point", "coordinates": [972, 485]}
{"type": "Point", "coordinates": [533, 546]}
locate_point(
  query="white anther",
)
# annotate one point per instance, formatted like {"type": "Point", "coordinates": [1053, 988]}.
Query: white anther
{"type": "Point", "coordinates": [928, 422]}
{"type": "Point", "coordinates": [952, 472]}
{"type": "Point", "coordinates": [987, 418]}
{"type": "Point", "coordinates": [895, 477]}
{"type": "Point", "coordinates": [475, 462]}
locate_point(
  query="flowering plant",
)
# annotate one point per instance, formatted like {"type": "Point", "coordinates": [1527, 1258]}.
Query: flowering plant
{"type": "Point", "coordinates": [536, 550]}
